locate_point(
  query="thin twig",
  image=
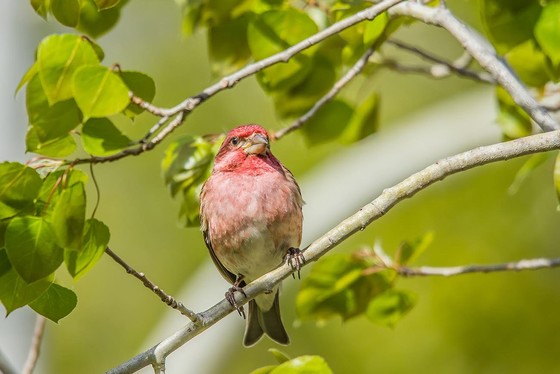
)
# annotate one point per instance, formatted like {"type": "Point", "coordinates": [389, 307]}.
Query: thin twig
{"type": "Point", "coordinates": [176, 122]}
{"type": "Point", "coordinates": [35, 349]}
{"type": "Point", "coordinates": [532, 264]}
{"type": "Point", "coordinates": [365, 216]}
{"type": "Point", "coordinates": [180, 111]}
{"type": "Point", "coordinates": [97, 191]}
{"type": "Point", "coordinates": [149, 107]}
{"type": "Point", "coordinates": [441, 69]}
{"type": "Point", "coordinates": [167, 299]}
{"type": "Point", "coordinates": [483, 53]}
{"type": "Point", "coordinates": [155, 128]}
{"type": "Point", "coordinates": [284, 56]}
{"type": "Point", "coordinates": [347, 78]}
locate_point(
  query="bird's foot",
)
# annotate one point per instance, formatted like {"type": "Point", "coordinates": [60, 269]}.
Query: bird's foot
{"type": "Point", "coordinates": [296, 260]}
{"type": "Point", "coordinates": [230, 297]}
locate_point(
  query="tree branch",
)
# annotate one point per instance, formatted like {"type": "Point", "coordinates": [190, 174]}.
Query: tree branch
{"type": "Point", "coordinates": [347, 78]}
{"type": "Point", "coordinates": [180, 111]}
{"type": "Point", "coordinates": [358, 221]}
{"type": "Point", "coordinates": [483, 53]}
{"type": "Point", "coordinates": [532, 264]}
{"type": "Point", "coordinates": [35, 349]}
{"type": "Point", "coordinates": [167, 299]}
{"type": "Point", "coordinates": [441, 67]}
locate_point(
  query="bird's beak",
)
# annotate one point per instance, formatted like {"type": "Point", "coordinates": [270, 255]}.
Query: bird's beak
{"type": "Point", "coordinates": [256, 145]}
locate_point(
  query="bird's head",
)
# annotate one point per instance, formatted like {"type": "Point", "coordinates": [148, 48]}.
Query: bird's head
{"type": "Point", "coordinates": [245, 147]}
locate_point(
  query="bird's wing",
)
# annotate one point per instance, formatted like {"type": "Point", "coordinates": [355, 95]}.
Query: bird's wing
{"type": "Point", "coordinates": [228, 275]}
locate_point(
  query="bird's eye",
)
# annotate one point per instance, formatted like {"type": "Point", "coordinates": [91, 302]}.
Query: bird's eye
{"type": "Point", "coordinates": [234, 140]}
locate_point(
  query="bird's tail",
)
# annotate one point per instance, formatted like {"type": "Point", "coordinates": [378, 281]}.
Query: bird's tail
{"type": "Point", "coordinates": [267, 322]}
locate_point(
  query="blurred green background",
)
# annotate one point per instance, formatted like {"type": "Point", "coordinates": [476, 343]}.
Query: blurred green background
{"type": "Point", "coordinates": [483, 323]}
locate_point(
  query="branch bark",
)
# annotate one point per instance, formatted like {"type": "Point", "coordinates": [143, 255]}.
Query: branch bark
{"type": "Point", "coordinates": [531, 264]}
{"type": "Point", "coordinates": [35, 349]}
{"type": "Point", "coordinates": [471, 41]}
{"type": "Point", "coordinates": [441, 68]}
{"type": "Point", "coordinates": [358, 221]}
{"type": "Point", "coordinates": [339, 85]}
{"type": "Point", "coordinates": [483, 53]}
{"type": "Point", "coordinates": [167, 299]}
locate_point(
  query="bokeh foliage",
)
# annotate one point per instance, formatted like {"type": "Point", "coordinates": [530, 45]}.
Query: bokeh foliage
{"type": "Point", "coordinates": [73, 99]}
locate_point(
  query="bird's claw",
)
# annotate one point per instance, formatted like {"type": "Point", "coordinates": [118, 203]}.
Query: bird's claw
{"type": "Point", "coordinates": [230, 297]}
{"type": "Point", "coordinates": [296, 260]}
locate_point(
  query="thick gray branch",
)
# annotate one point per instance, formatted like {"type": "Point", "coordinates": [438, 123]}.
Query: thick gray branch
{"type": "Point", "coordinates": [358, 221]}
{"type": "Point", "coordinates": [483, 53]}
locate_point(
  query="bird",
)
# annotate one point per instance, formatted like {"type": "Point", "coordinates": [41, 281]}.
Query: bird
{"type": "Point", "coordinates": [251, 219]}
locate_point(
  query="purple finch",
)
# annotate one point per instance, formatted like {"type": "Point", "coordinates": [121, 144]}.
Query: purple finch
{"type": "Point", "coordinates": [250, 213]}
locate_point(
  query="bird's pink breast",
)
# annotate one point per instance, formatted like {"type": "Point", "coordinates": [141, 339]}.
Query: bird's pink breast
{"type": "Point", "coordinates": [252, 219]}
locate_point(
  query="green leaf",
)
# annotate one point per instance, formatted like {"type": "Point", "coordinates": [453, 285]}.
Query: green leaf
{"type": "Point", "coordinates": [96, 238]}
{"type": "Point", "coordinates": [186, 165]}
{"type": "Point", "coordinates": [339, 286]}
{"type": "Point", "coordinates": [54, 184]}
{"type": "Point", "coordinates": [364, 122]}
{"type": "Point", "coordinates": [51, 122]}
{"type": "Point", "coordinates": [273, 32]}
{"type": "Point", "coordinates": [530, 64]}
{"type": "Point", "coordinates": [192, 13]}
{"type": "Point", "coordinates": [31, 248]}
{"type": "Point", "coordinates": [98, 50]}
{"type": "Point", "coordinates": [227, 45]}
{"type": "Point", "coordinates": [106, 4]}
{"type": "Point", "coordinates": [280, 356]}
{"type": "Point", "coordinates": [19, 186]}
{"type": "Point", "coordinates": [15, 292]}
{"type": "Point", "coordinates": [304, 365]}
{"type": "Point", "coordinates": [526, 169]}
{"type": "Point", "coordinates": [354, 35]}
{"type": "Point", "coordinates": [100, 137]}
{"type": "Point", "coordinates": [68, 217]}
{"type": "Point", "coordinates": [99, 92]}
{"type": "Point", "coordinates": [55, 303]}
{"type": "Point", "coordinates": [5, 265]}
{"type": "Point", "coordinates": [547, 31]}
{"type": "Point", "coordinates": [300, 98]}
{"type": "Point", "coordinates": [264, 370]}
{"type": "Point", "coordinates": [67, 12]}
{"type": "Point", "coordinates": [390, 307]}
{"type": "Point", "coordinates": [514, 121]}
{"type": "Point", "coordinates": [41, 7]}
{"type": "Point", "coordinates": [96, 22]}
{"type": "Point", "coordinates": [60, 147]}
{"type": "Point", "coordinates": [142, 86]}
{"type": "Point", "coordinates": [58, 57]}
{"type": "Point", "coordinates": [509, 22]}
{"type": "Point", "coordinates": [328, 123]}
{"type": "Point", "coordinates": [3, 226]}
{"type": "Point", "coordinates": [375, 29]}
{"type": "Point", "coordinates": [409, 251]}
{"type": "Point", "coordinates": [30, 73]}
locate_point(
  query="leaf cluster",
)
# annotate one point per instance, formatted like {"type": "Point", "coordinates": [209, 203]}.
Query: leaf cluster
{"type": "Point", "coordinates": [242, 31]}
{"type": "Point", "coordinates": [69, 93]}
{"type": "Point", "coordinates": [349, 285]}
{"type": "Point", "coordinates": [42, 226]}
